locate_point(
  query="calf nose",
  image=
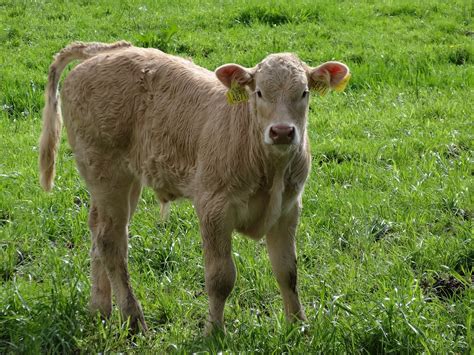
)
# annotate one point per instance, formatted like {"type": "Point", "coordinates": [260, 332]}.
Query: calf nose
{"type": "Point", "coordinates": [282, 134]}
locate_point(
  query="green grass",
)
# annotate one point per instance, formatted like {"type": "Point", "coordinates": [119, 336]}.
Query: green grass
{"type": "Point", "coordinates": [386, 237]}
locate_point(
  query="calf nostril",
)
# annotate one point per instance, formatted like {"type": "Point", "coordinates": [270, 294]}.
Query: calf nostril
{"type": "Point", "coordinates": [282, 134]}
{"type": "Point", "coordinates": [273, 133]}
{"type": "Point", "coordinates": [291, 133]}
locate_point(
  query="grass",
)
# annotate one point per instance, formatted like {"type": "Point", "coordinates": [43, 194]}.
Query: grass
{"type": "Point", "coordinates": [386, 237]}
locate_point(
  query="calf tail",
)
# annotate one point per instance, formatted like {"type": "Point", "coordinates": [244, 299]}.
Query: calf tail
{"type": "Point", "coordinates": [52, 120]}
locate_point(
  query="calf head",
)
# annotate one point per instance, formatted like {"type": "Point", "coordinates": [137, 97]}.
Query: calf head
{"type": "Point", "coordinates": [278, 90]}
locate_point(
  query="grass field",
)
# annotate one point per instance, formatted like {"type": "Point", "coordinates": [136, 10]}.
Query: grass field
{"type": "Point", "coordinates": [385, 243]}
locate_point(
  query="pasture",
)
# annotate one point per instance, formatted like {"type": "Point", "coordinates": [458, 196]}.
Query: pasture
{"type": "Point", "coordinates": [385, 241]}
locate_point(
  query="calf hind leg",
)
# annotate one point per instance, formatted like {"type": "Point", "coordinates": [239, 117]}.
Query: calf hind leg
{"type": "Point", "coordinates": [101, 292]}
{"type": "Point", "coordinates": [135, 192]}
{"type": "Point", "coordinates": [112, 212]}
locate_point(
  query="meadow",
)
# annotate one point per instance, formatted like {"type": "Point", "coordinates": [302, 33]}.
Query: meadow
{"type": "Point", "coordinates": [385, 242]}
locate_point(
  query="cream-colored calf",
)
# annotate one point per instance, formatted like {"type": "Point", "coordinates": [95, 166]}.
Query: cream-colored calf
{"type": "Point", "coordinates": [139, 117]}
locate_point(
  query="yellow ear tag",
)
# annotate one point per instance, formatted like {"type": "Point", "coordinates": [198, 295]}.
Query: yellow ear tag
{"type": "Point", "coordinates": [236, 94]}
{"type": "Point", "coordinates": [321, 88]}
{"type": "Point", "coordinates": [342, 85]}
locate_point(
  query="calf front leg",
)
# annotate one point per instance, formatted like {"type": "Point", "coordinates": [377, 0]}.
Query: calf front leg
{"type": "Point", "coordinates": [282, 251]}
{"type": "Point", "coordinates": [220, 270]}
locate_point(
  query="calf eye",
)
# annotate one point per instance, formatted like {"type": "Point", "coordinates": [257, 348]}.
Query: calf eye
{"type": "Point", "coordinates": [259, 93]}
{"type": "Point", "coordinates": [305, 93]}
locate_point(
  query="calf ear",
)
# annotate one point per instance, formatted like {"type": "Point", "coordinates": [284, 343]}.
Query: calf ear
{"type": "Point", "coordinates": [229, 73]}
{"type": "Point", "coordinates": [330, 75]}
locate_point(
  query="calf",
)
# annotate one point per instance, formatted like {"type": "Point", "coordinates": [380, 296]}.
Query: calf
{"type": "Point", "coordinates": [233, 141]}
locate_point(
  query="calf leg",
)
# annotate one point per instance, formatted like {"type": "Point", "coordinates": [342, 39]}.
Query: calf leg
{"type": "Point", "coordinates": [220, 270]}
{"type": "Point", "coordinates": [135, 192]}
{"type": "Point", "coordinates": [282, 251]}
{"type": "Point", "coordinates": [220, 277]}
{"type": "Point", "coordinates": [110, 247]}
{"type": "Point", "coordinates": [101, 292]}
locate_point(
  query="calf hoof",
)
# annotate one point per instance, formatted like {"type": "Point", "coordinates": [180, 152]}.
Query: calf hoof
{"type": "Point", "coordinates": [105, 310]}
{"type": "Point", "coordinates": [133, 312]}
{"type": "Point", "coordinates": [137, 324]}
{"type": "Point", "coordinates": [214, 329]}
{"type": "Point", "coordinates": [297, 317]}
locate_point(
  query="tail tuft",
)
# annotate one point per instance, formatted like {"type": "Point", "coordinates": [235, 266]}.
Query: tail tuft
{"type": "Point", "coordinates": [49, 143]}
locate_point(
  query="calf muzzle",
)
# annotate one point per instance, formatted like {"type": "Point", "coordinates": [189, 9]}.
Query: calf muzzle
{"type": "Point", "coordinates": [282, 134]}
